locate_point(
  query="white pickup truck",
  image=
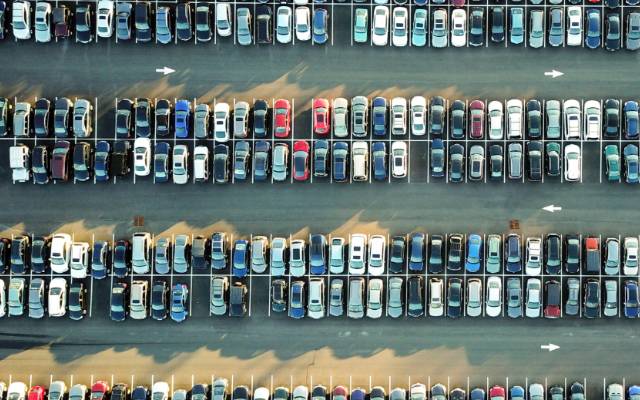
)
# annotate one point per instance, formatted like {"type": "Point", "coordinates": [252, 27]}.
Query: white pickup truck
{"type": "Point", "coordinates": [20, 162]}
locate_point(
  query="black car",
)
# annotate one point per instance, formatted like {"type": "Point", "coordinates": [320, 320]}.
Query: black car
{"type": "Point", "coordinates": [553, 254]}
{"type": "Point", "coordinates": [261, 118]}
{"type": "Point", "coordinates": [159, 294]}
{"type": "Point", "coordinates": [121, 258]}
{"type": "Point", "coordinates": [163, 117]}
{"type": "Point", "coordinates": [572, 254]}
{"type": "Point", "coordinates": [534, 119]}
{"type": "Point", "coordinates": [3, 11]}
{"type": "Point", "coordinates": [437, 117]}
{"type": "Point", "coordinates": [455, 257]}
{"type": "Point", "coordinates": [76, 300]}
{"type": "Point", "coordinates": [84, 30]}
{"type": "Point", "coordinates": [123, 118]}
{"type": "Point", "coordinates": [199, 392]}
{"type": "Point", "coordinates": [454, 298]}
{"type": "Point", "coordinates": [184, 31]}
{"type": "Point", "coordinates": [458, 119]}
{"type": "Point", "coordinates": [241, 392]}
{"type": "Point", "coordinates": [476, 27]}
{"type": "Point", "coordinates": [415, 306]}
{"type": "Point", "coordinates": [100, 259]}
{"type": "Point", "coordinates": [264, 25]}
{"type": "Point", "coordinates": [41, 121]}
{"type": "Point", "coordinates": [319, 392]}
{"type": "Point", "coordinates": [320, 156]}
{"type": "Point", "coordinates": [19, 254]}
{"type": "Point", "coordinates": [261, 160]}
{"type": "Point", "coordinates": [40, 164]}
{"type": "Point", "coordinates": [456, 163]}
{"type": "Point", "coordinates": [5, 108]}
{"type": "Point", "coordinates": [552, 154]}
{"type": "Point", "coordinates": [436, 254]}
{"type": "Point", "coordinates": [397, 254]}
{"type": "Point", "coordinates": [143, 16]}
{"type": "Point", "coordinates": [221, 163]}
{"type": "Point", "coordinates": [513, 253]}
{"type": "Point", "coordinates": [534, 160]}
{"type": "Point", "coordinates": [120, 157]}
{"type": "Point", "coordinates": [416, 251]}
{"type": "Point", "coordinates": [5, 254]}
{"type": "Point", "coordinates": [576, 391]}
{"type": "Point", "coordinates": [162, 162]}
{"type": "Point", "coordinates": [278, 295]}
{"type": "Point", "coordinates": [591, 305]}
{"type": "Point", "coordinates": [40, 250]}
{"type": "Point", "coordinates": [62, 117]}
{"type": "Point", "coordinates": [611, 119]}
{"type": "Point", "coordinates": [200, 252]}
{"type": "Point", "coordinates": [497, 24]}
{"type": "Point", "coordinates": [237, 302]}
{"type": "Point", "coordinates": [612, 32]}
{"type": "Point", "coordinates": [203, 23]}
{"type": "Point", "coordinates": [340, 163]}
{"type": "Point", "coordinates": [142, 112]}
{"type": "Point", "coordinates": [496, 161]}
{"type": "Point", "coordinates": [82, 161]}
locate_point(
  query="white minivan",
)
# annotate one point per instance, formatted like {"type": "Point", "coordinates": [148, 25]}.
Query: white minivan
{"type": "Point", "coordinates": [140, 252]}
{"type": "Point", "coordinates": [315, 307]}
{"type": "Point", "coordinates": [360, 161]}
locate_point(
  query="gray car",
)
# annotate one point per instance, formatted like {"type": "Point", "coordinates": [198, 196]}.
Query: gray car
{"type": "Point", "coordinates": [82, 118]}
{"type": "Point", "coordinates": [201, 117]}
{"type": "Point", "coordinates": [536, 391]}
{"type": "Point", "coordinates": [514, 298]}
{"type": "Point", "coordinates": [181, 254]}
{"type": "Point", "coordinates": [243, 26]}
{"type": "Point", "coordinates": [240, 119]}
{"type": "Point", "coordinates": [57, 390]}
{"type": "Point", "coordinates": [280, 162]}
{"type": "Point", "coordinates": [552, 110]}
{"type": "Point", "coordinates": [612, 257]}
{"type": "Point", "coordinates": [610, 306]}
{"type": "Point", "coordinates": [163, 255]}
{"type": "Point", "coordinates": [515, 161]}
{"type": "Point", "coordinates": [163, 25]}
{"type": "Point", "coordinates": [336, 302]}
{"type": "Point", "coordinates": [394, 301]}
{"type": "Point", "coordinates": [494, 254]}
{"type": "Point", "coordinates": [516, 33]}
{"type": "Point", "coordinates": [278, 255]}
{"type": "Point", "coordinates": [219, 389]}
{"type": "Point", "coordinates": [476, 162]}
{"type": "Point", "coordinates": [359, 115]}
{"type": "Point", "coordinates": [16, 297]}
{"type": "Point", "coordinates": [21, 119]}
{"type": "Point", "coordinates": [572, 306]}
{"type": "Point", "coordinates": [633, 31]}
{"type": "Point", "coordinates": [259, 248]}
{"type": "Point", "coordinates": [219, 287]}
{"type": "Point", "coordinates": [439, 33]}
{"type": "Point", "coordinates": [36, 298]}
{"type": "Point", "coordinates": [179, 394]}
{"type": "Point", "coordinates": [556, 27]}
{"type": "Point", "coordinates": [536, 29]}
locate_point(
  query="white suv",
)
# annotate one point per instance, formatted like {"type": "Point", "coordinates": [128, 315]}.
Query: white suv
{"type": "Point", "coordinates": [400, 30]}
{"type": "Point", "coordinates": [357, 254]}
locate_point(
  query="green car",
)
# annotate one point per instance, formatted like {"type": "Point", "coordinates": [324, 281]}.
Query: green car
{"type": "Point", "coordinates": [419, 33]}
{"type": "Point", "coordinates": [361, 25]}
{"type": "Point", "coordinates": [612, 157]}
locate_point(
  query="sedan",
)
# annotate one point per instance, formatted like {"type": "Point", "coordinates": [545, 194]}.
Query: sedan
{"type": "Point", "coordinates": [179, 302]}
{"type": "Point", "coordinates": [456, 163]}
{"type": "Point", "coordinates": [321, 117]}
{"type": "Point", "coordinates": [301, 160]}
{"type": "Point", "coordinates": [282, 116]}
{"type": "Point", "coordinates": [320, 26]}
{"type": "Point", "coordinates": [572, 163]}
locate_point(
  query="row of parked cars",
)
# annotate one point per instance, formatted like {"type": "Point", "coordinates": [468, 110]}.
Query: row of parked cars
{"type": "Point", "coordinates": [219, 389]}
{"type": "Point", "coordinates": [437, 117]}
{"type": "Point", "coordinates": [414, 253]}
{"type": "Point", "coordinates": [554, 27]}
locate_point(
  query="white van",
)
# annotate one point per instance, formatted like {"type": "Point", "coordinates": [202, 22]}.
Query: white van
{"type": "Point", "coordinates": [140, 252]}
{"type": "Point", "coordinates": [315, 307]}
{"type": "Point", "coordinates": [57, 297]}
{"type": "Point", "coordinates": [357, 253]}
{"type": "Point", "coordinates": [376, 255]}
{"type": "Point", "coordinates": [79, 260]}
{"type": "Point", "coordinates": [138, 300]}
{"type": "Point", "coordinates": [360, 161]}
{"type": "Point", "coordinates": [60, 252]}
{"type": "Point", "coordinates": [223, 19]}
{"type": "Point", "coordinates": [436, 306]}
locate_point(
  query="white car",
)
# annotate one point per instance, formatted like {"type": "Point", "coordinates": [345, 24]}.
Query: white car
{"type": "Point", "coordinates": [60, 252]}
{"type": "Point", "coordinates": [574, 26]}
{"type": "Point", "coordinates": [315, 305]}
{"type": "Point", "coordinates": [21, 20]}
{"type": "Point", "coordinates": [592, 119]}
{"type": "Point", "coordinates": [380, 26]}
{"type": "Point", "coordinates": [399, 159]}
{"type": "Point", "coordinates": [201, 164]}
{"type": "Point", "coordinates": [79, 263]}
{"type": "Point", "coordinates": [104, 17]}
{"type": "Point", "coordinates": [571, 111]}
{"type": "Point", "coordinates": [142, 156]}
{"type": "Point", "coordinates": [160, 391]}
{"type": "Point", "coordinates": [436, 292]}
{"type": "Point", "coordinates": [374, 298]}
{"type": "Point", "coordinates": [377, 262]}
{"type": "Point", "coordinates": [572, 163]}
{"type": "Point", "coordinates": [398, 116]}
{"type": "Point", "coordinates": [3, 299]}
{"type": "Point", "coordinates": [261, 393]}
{"type": "Point", "coordinates": [303, 24]}
{"type": "Point", "coordinates": [340, 108]}
{"type": "Point", "coordinates": [180, 164]}
{"type": "Point", "coordinates": [514, 119]}
{"type": "Point", "coordinates": [284, 21]}
{"type": "Point", "coordinates": [474, 297]}
{"type": "Point", "coordinates": [221, 122]}
{"type": "Point", "coordinates": [418, 115]}
{"type": "Point", "coordinates": [57, 297]}
{"type": "Point", "coordinates": [400, 27]}
{"type": "Point", "coordinates": [533, 302]}
{"type": "Point", "coordinates": [17, 390]}
{"type": "Point", "coordinates": [493, 306]}
{"type": "Point", "coordinates": [459, 28]}
{"type": "Point", "coordinates": [357, 254]}
{"type": "Point", "coordinates": [630, 256]}
{"type": "Point", "coordinates": [42, 23]}
{"type": "Point", "coordinates": [533, 265]}
{"type": "Point", "coordinates": [495, 120]}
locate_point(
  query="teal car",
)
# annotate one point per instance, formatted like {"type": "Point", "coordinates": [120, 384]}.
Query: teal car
{"type": "Point", "coordinates": [419, 32]}
{"type": "Point", "coordinates": [612, 157]}
{"type": "Point", "coordinates": [361, 25]}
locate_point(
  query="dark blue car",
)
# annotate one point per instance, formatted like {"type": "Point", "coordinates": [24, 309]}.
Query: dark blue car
{"type": "Point", "coordinates": [437, 161]}
{"type": "Point", "coordinates": [379, 162]}
{"type": "Point", "coordinates": [162, 162]}
{"type": "Point", "coordinates": [182, 117]}
{"type": "Point", "coordinates": [318, 255]}
{"type": "Point", "coordinates": [631, 163]}
{"type": "Point", "coordinates": [592, 38]}
{"type": "Point", "coordinates": [297, 300]}
{"type": "Point", "coordinates": [379, 110]}
{"type": "Point", "coordinates": [240, 258]}
{"type": "Point", "coordinates": [340, 160]}
{"type": "Point", "coordinates": [320, 22]}
{"type": "Point", "coordinates": [631, 299]}
{"type": "Point", "coordinates": [513, 253]}
{"type": "Point", "coordinates": [179, 296]}
{"type": "Point", "coordinates": [100, 260]}
{"type": "Point", "coordinates": [477, 394]}
{"type": "Point", "coordinates": [261, 163]}
{"type": "Point", "coordinates": [474, 253]}
{"type": "Point", "coordinates": [101, 166]}
{"type": "Point", "coordinates": [631, 119]}
{"type": "Point", "coordinates": [416, 251]}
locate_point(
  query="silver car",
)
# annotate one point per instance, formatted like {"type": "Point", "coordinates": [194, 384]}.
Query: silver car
{"type": "Point", "coordinates": [474, 297]}
{"type": "Point", "coordinates": [180, 254]}
{"type": "Point", "coordinates": [340, 121]}
{"type": "Point", "coordinates": [359, 115]}
{"type": "Point", "coordinates": [240, 119]}
{"type": "Point", "coordinates": [243, 17]}
{"type": "Point", "coordinates": [493, 262]}
{"type": "Point", "coordinates": [515, 161]}
{"type": "Point", "coordinates": [36, 298]}
{"type": "Point", "coordinates": [57, 390]}
{"type": "Point", "coordinates": [259, 248]}
{"type": "Point", "coordinates": [536, 29]}
{"type": "Point", "coordinates": [633, 31]}
{"type": "Point", "coordinates": [42, 23]}
{"type": "Point", "coordinates": [552, 109]}
{"type": "Point", "coordinates": [278, 256]}
{"type": "Point", "coordinates": [610, 308]}
{"type": "Point", "coordinates": [572, 306]}
{"type": "Point", "coordinates": [21, 119]}
{"type": "Point", "coordinates": [219, 287]}
{"type": "Point", "coordinates": [297, 259]}
{"type": "Point", "coordinates": [82, 118]}
{"type": "Point", "coordinates": [439, 33]}
{"type": "Point", "coordinates": [336, 302]}
{"type": "Point", "coordinates": [280, 162]}
{"type": "Point", "coordinates": [395, 298]}
{"type": "Point", "coordinates": [201, 117]}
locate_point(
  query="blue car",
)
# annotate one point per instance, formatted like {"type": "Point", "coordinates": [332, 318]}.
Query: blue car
{"type": "Point", "coordinates": [320, 22]}
{"type": "Point", "coordinates": [634, 392]}
{"type": "Point", "coordinates": [631, 163]}
{"type": "Point", "coordinates": [261, 160]}
{"type": "Point", "coordinates": [592, 37]}
{"type": "Point", "coordinates": [477, 394]}
{"type": "Point", "coordinates": [631, 117]}
{"type": "Point", "coordinates": [513, 253]}
{"type": "Point", "coordinates": [474, 253]}
{"type": "Point", "coordinates": [340, 155]}
{"type": "Point", "coordinates": [631, 299]}
{"type": "Point", "coordinates": [182, 117]}
{"type": "Point", "coordinates": [162, 162]}
{"type": "Point", "coordinates": [416, 251]}
{"type": "Point", "coordinates": [516, 392]}
{"type": "Point", "coordinates": [179, 296]}
{"type": "Point", "coordinates": [318, 254]}
{"type": "Point", "coordinates": [379, 111]}
{"type": "Point", "coordinates": [240, 258]}
{"type": "Point", "coordinates": [100, 260]}
{"type": "Point", "coordinates": [437, 159]}
{"type": "Point", "coordinates": [297, 300]}
{"type": "Point", "coordinates": [379, 162]}
{"type": "Point", "coordinates": [101, 166]}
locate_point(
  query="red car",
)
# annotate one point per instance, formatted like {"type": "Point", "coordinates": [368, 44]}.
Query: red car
{"type": "Point", "coordinates": [99, 390]}
{"type": "Point", "coordinates": [552, 299]}
{"type": "Point", "coordinates": [476, 113]}
{"type": "Point", "coordinates": [282, 115]}
{"type": "Point", "coordinates": [497, 393]}
{"type": "Point", "coordinates": [340, 391]}
{"type": "Point", "coordinates": [301, 160]}
{"type": "Point", "coordinates": [37, 393]}
{"type": "Point", "coordinates": [321, 118]}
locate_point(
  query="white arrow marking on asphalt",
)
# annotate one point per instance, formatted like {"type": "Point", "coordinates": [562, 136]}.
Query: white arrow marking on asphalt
{"type": "Point", "coordinates": [553, 73]}
{"type": "Point", "coordinates": [165, 70]}
{"type": "Point", "coordinates": [551, 347]}
{"type": "Point", "coordinates": [551, 208]}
